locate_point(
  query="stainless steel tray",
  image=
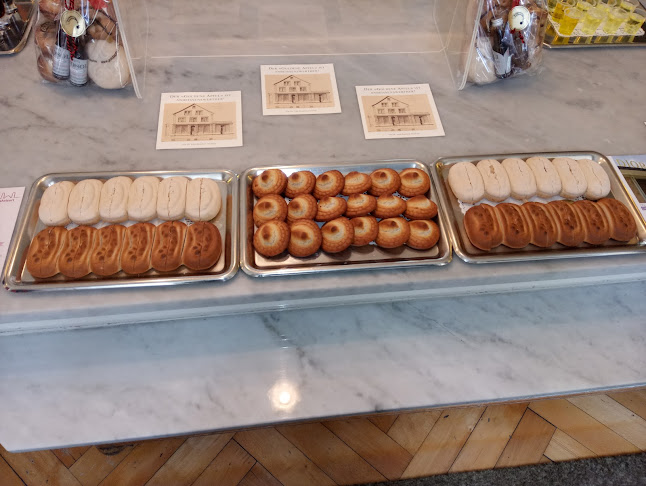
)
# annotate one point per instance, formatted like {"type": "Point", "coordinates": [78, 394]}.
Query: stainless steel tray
{"type": "Point", "coordinates": [28, 13]}
{"type": "Point", "coordinates": [470, 254]}
{"type": "Point", "coordinates": [17, 278]}
{"type": "Point", "coordinates": [354, 258]}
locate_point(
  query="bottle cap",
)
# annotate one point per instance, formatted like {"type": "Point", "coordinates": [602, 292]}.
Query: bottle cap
{"type": "Point", "coordinates": [496, 22]}
{"type": "Point", "coordinates": [73, 23]}
{"type": "Point", "coordinates": [519, 18]}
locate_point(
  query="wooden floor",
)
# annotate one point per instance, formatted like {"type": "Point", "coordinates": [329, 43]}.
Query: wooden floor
{"type": "Point", "coordinates": [355, 450]}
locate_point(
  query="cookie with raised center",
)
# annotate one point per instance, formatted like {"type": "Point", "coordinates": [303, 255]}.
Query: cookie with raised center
{"type": "Point", "coordinates": [424, 234]}
{"type": "Point", "coordinates": [305, 238]}
{"type": "Point", "coordinates": [413, 182]}
{"type": "Point", "coordinates": [356, 183]}
{"type": "Point", "coordinates": [271, 181]}
{"type": "Point", "coordinates": [301, 182]}
{"type": "Point", "coordinates": [329, 184]}
{"type": "Point", "coordinates": [337, 235]}
{"type": "Point", "coordinates": [393, 232]}
{"type": "Point", "coordinates": [420, 207]}
{"type": "Point", "coordinates": [268, 208]}
{"type": "Point", "coordinates": [272, 238]}
{"type": "Point", "coordinates": [360, 205]}
{"type": "Point", "coordinates": [366, 229]}
{"type": "Point", "coordinates": [330, 208]}
{"type": "Point", "coordinates": [389, 206]}
{"type": "Point", "coordinates": [301, 207]}
{"type": "Point", "coordinates": [384, 181]}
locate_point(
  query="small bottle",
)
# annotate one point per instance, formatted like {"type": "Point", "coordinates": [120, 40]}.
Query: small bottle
{"type": "Point", "coordinates": [78, 63]}
{"type": "Point", "coordinates": [61, 65]}
{"type": "Point", "coordinates": [501, 49]}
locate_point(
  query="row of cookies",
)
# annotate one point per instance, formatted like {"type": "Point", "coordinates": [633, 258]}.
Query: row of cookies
{"type": "Point", "coordinates": [303, 237]}
{"type": "Point", "coordinates": [522, 180]}
{"type": "Point", "coordinates": [543, 225]}
{"type": "Point", "coordinates": [121, 199]}
{"type": "Point", "coordinates": [134, 249]}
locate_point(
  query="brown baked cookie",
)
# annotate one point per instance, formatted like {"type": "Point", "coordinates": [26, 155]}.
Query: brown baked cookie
{"type": "Point", "coordinates": [413, 182]}
{"type": "Point", "coordinates": [420, 207]}
{"type": "Point", "coordinates": [202, 246]}
{"type": "Point", "coordinates": [105, 259]}
{"type": "Point", "coordinates": [389, 206]}
{"type": "Point", "coordinates": [356, 183]}
{"type": "Point", "coordinates": [360, 205]}
{"type": "Point", "coordinates": [272, 238]}
{"type": "Point", "coordinates": [271, 181]}
{"type": "Point", "coordinates": [569, 227]}
{"type": "Point", "coordinates": [328, 184]}
{"type": "Point", "coordinates": [515, 230]}
{"type": "Point", "coordinates": [330, 208]}
{"type": "Point", "coordinates": [268, 208]}
{"type": "Point", "coordinates": [43, 252]}
{"type": "Point", "coordinates": [301, 207]}
{"type": "Point", "coordinates": [384, 181]}
{"type": "Point", "coordinates": [597, 229]}
{"type": "Point", "coordinates": [51, 9]}
{"type": "Point", "coordinates": [337, 234]}
{"type": "Point", "coordinates": [168, 246]}
{"type": "Point", "coordinates": [103, 25]}
{"type": "Point", "coordinates": [305, 238]}
{"type": "Point", "coordinates": [393, 232]}
{"type": "Point", "coordinates": [542, 227]}
{"type": "Point", "coordinates": [137, 248]}
{"type": "Point", "coordinates": [482, 227]}
{"type": "Point", "coordinates": [301, 182]}
{"type": "Point", "coordinates": [74, 260]}
{"type": "Point", "coordinates": [45, 36]}
{"type": "Point", "coordinates": [424, 234]}
{"type": "Point", "coordinates": [622, 224]}
{"type": "Point", "coordinates": [365, 230]}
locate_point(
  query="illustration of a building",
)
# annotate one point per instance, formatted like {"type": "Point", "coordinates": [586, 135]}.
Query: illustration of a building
{"type": "Point", "coordinates": [390, 112]}
{"type": "Point", "coordinates": [293, 90]}
{"type": "Point", "coordinates": [195, 120]}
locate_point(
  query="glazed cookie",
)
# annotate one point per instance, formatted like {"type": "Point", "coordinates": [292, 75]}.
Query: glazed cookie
{"type": "Point", "coordinates": [595, 223]}
{"type": "Point", "coordinates": [330, 208]}
{"type": "Point", "coordinates": [622, 224]}
{"type": "Point", "coordinates": [305, 238]}
{"type": "Point", "coordinates": [424, 234]}
{"type": "Point", "coordinates": [393, 232]}
{"type": "Point", "coordinates": [573, 182]}
{"type": "Point", "coordinates": [271, 181]}
{"type": "Point", "coordinates": [541, 225]}
{"type": "Point", "coordinates": [466, 182]}
{"type": "Point", "coordinates": [360, 205]}
{"type": "Point", "coordinates": [268, 208]}
{"type": "Point", "coordinates": [596, 178]}
{"type": "Point", "coordinates": [569, 227]}
{"type": "Point", "coordinates": [482, 227]}
{"type": "Point", "coordinates": [420, 207]}
{"type": "Point", "coordinates": [43, 252]}
{"type": "Point", "coordinates": [496, 181]}
{"type": "Point", "coordinates": [168, 246]}
{"type": "Point", "coordinates": [337, 234]}
{"type": "Point", "coordinates": [384, 181]}
{"type": "Point", "coordinates": [301, 207]}
{"type": "Point", "coordinates": [413, 182]}
{"type": "Point", "coordinates": [74, 260]}
{"type": "Point", "coordinates": [389, 206]}
{"type": "Point", "coordinates": [515, 230]}
{"type": "Point", "coordinates": [272, 238]}
{"type": "Point", "coordinates": [521, 179]}
{"type": "Point", "coordinates": [298, 183]}
{"type": "Point", "coordinates": [329, 184]}
{"type": "Point", "coordinates": [365, 230]}
{"type": "Point", "coordinates": [202, 247]}
{"type": "Point", "coordinates": [356, 183]}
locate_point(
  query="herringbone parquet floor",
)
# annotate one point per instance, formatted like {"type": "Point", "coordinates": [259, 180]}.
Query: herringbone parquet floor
{"type": "Point", "coordinates": [354, 450]}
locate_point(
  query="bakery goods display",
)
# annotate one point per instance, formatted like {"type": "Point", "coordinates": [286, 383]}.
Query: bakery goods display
{"type": "Point", "coordinates": [305, 238]}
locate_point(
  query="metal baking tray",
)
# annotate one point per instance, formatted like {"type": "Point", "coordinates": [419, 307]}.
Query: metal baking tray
{"type": "Point", "coordinates": [27, 13]}
{"type": "Point", "coordinates": [354, 258]}
{"type": "Point", "coordinates": [17, 278]}
{"type": "Point", "coordinates": [470, 254]}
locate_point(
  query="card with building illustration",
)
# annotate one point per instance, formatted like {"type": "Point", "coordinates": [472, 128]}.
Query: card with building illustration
{"type": "Point", "coordinates": [299, 89]}
{"type": "Point", "coordinates": [200, 120]}
{"type": "Point", "coordinates": [404, 111]}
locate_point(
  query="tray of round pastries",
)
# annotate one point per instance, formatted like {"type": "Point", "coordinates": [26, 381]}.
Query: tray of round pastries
{"type": "Point", "coordinates": [314, 218]}
{"type": "Point", "coordinates": [125, 229]}
{"type": "Point", "coordinates": [522, 207]}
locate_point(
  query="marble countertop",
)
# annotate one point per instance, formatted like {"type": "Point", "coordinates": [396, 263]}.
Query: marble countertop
{"type": "Point", "coordinates": [209, 373]}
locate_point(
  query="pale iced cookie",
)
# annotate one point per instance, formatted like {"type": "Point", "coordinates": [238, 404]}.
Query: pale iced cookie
{"type": "Point", "coordinates": [356, 183]}
{"type": "Point", "coordinates": [272, 238]}
{"type": "Point", "coordinates": [360, 205]}
{"type": "Point", "coordinates": [384, 181]}
{"type": "Point", "coordinates": [113, 206]}
{"type": "Point", "coordinates": [298, 183]}
{"type": "Point", "coordinates": [521, 179]}
{"type": "Point", "coordinates": [328, 184]}
{"type": "Point", "coordinates": [466, 182]}
{"type": "Point", "coordinates": [413, 182]}
{"type": "Point", "coordinates": [268, 208]}
{"type": "Point", "coordinates": [271, 181]}
{"type": "Point", "coordinates": [393, 232]}
{"type": "Point", "coordinates": [53, 204]}
{"type": "Point", "coordinates": [142, 199]}
{"type": "Point", "coordinates": [330, 208]}
{"type": "Point", "coordinates": [389, 206]}
{"type": "Point", "coordinates": [366, 229]}
{"type": "Point", "coordinates": [573, 182]}
{"type": "Point", "coordinates": [203, 199]}
{"type": "Point", "coordinates": [301, 207]}
{"type": "Point", "coordinates": [337, 234]}
{"type": "Point", "coordinates": [305, 238]}
{"type": "Point", "coordinates": [420, 207]}
{"type": "Point", "coordinates": [424, 234]}
{"type": "Point", "coordinates": [596, 179]}
{"type": "Point", "coordinates": [83, 206]}
{"type": "Point", "coordinates": [171, 198]}
{"type": "Point", "coordinates": [548, 182]}
{"type": "Point", "coordinates": [496, 181]}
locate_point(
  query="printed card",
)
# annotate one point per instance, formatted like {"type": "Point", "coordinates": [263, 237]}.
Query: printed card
{"type": "Point", "coordinates": [200, 120]}
{"type": "Point", "coordinates": [10, 199]}
{"type": "Point", "coordinates": [404, 111]}
{"type": "Point", "coordinates": [636, 182]}
{"type": "Point", "coordinates": [299, 89]}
